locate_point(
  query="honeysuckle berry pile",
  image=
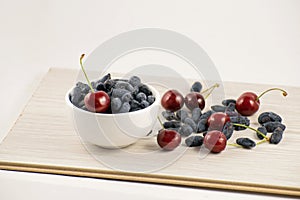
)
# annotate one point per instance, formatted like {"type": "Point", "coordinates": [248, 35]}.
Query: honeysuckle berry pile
{"type": "Point", "coordinates": [108, 95]}
{"type": "Point", "coordinates": [215, 126]}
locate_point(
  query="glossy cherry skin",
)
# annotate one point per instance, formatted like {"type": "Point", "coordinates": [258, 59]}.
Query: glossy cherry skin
{"type": "Point", "coordinates": [215, 141]}
{"type": "Point", "coordinates": [247, 104]}
{"type": "Point", "coordinates": [172, 100]}
{"type": "Point", "coordinates": [194, 100]}
{"type": "Point", "coordinates": [217, 121]}
{"type": "Point", "coordinates": [168, 139]}
{"type": "Point", "coordinates": [97, 101]}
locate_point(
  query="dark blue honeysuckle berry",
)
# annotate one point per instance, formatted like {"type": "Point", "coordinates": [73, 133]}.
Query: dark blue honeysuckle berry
{"type": "Point", "coordinates": [263, 130]}
{"type": "Point", "coordinates": [271, 126]}
{"type": "Point", "coordinates": [226, 102]}
{"type": "Point", "coordinates": [181, 115]}
{"type": "Point", "coordinates": [190, 122]}
{"type": "Point", "coordinates": [125, 107]}
{"type": "Point", "coordinates": [246, 143]}
{"type": "Point", "coordinates": [109, 84]}
{"type": "Point", "coordinates": [151, 99]}
{"type": "Point", "coordinates": [228, 130]}
{"type": "Point", "coordinates": [218, 108]}
{"type": "Point", "coordinates": [115, 104]}
{"type": "Point", "coordinates": [276, 136]}
{"type": "Point", "coordinates": [201, 126]}
{"type": "Point", "coordinates": [171, 124]}
{"type": "Point", "coordinates": [76, 95]}
{"type": "Point", "coordinates": [119, 92]}
{"type": "Point", "coordinates": [268, 117]}
{"type": "Point", "coordinates": [134, 81]}
{"type": "Point", "coordinates": [206, 115]}
{"type": "Point", "coordinates": [185, 130]}
{"type": "Point", "coordinates": [144, 104]}
{"type": "Point", "coordinates": [230, 107]}
{"type": "Point", "coordinates": [145, 89]}
{"type": "Point", "coordinates": [141, 96]}
{"type": "Point", "coordinates": [196, 87]}
{"type": "Point", "coordinates": [127, 97]}
{"type": "Point", "coordinates": [196, 114]}
{"type": "Point", "coordinates": [104, 78]}
{"type": "Point", "coordinates": [168, 115]}
{"type": "Point", "coordinates": [194, 141]}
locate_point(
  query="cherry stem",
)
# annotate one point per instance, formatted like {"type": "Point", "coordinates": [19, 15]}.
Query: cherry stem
{"type": "Point", "coordinates": [260, 133]}
{"type": "Point", "coordinates": [86, 77]}
{"type": "Point", "coordinates": [284, 93]}
{"type": "Point", "coordinates": [234, 144]}
{"type": "Point", "coordinates": [210, 89]}
{"type": "Point", "coordinates": [160, 122]}
{"type": "Point", "coordinates": [215, 85]}
{"type": "Point", "coordinates": [262, 141]}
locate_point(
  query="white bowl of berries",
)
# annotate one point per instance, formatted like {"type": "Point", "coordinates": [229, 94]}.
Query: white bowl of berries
{"type": "Point", "coordinates": [113, 113]}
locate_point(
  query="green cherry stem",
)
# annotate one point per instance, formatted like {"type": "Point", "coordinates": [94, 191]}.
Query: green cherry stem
{"type": "Point", "coordinates": [234, 144]}
{"type": "Point", "coordinates": [86, 77]}
{"type": "Point", "coordinates": [284, 93]}
{"type": "Point", "coordinates": [160, 122]}
{"type": "Point", "coordinates": [242, 125]}
{"type": "Point", "coordinates": [210, 89]}
{"type": "Point", "coordinates": [262, 141]}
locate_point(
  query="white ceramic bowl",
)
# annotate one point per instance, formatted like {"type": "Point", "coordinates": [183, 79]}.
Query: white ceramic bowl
{"type": "Point", "coordinates": [114, 130]}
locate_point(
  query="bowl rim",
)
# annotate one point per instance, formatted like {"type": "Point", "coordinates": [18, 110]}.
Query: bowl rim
{"type": "Point", "coordinates": [154, 91]}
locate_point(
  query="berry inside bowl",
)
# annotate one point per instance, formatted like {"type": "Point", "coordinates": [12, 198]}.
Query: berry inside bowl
{"type": "Point", "coordinates": [114, 130]}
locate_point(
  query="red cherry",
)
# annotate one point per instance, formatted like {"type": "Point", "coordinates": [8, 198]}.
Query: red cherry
{"type": "Point", "coordinates": [97, 101]}
{"type": "Point", "coordinates": [217, 121]}
{"type": "Point", "coordinates": [172, 100]}
{"type": "Point", "coordinates": [168, 139]}
{"type": "Point", "coordinates": [248, 103]}
{"type": "Point", "coordinates": [215, 141]}
{"type": "Point", "coordinates": [194, 100]}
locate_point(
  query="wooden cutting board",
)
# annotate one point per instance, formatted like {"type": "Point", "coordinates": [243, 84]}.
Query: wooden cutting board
{"type": "Point", "coordinates": [43, 140]}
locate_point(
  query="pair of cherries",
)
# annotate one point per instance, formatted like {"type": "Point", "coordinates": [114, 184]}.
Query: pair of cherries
{"type": "Point", "coordinates": [173, 100]}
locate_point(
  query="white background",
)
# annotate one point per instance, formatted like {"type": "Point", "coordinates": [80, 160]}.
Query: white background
{"type": "Point", "coordinates": [250, 41]}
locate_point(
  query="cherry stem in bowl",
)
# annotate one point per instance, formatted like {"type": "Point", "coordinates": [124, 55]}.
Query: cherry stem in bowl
{"type": "Point", "coordinates": [260, 133]}
{"type": "Point", "coordinates": [284, 93]}
{"type": "Point", "coordinates": [210, 89]}
{"type": "Point", "coordinates": [86, 77]}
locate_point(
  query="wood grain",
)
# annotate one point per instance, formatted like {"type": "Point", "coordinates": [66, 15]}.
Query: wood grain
{"type": "Point", "coordinates": [43, 140]}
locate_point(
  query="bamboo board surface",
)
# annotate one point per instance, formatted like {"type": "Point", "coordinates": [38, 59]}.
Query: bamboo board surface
{"type": "Point", "coordinates": [43, 140]}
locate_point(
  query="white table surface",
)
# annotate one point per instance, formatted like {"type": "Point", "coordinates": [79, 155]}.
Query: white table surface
{"type": "Point", "coordinates": [261, 38]}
